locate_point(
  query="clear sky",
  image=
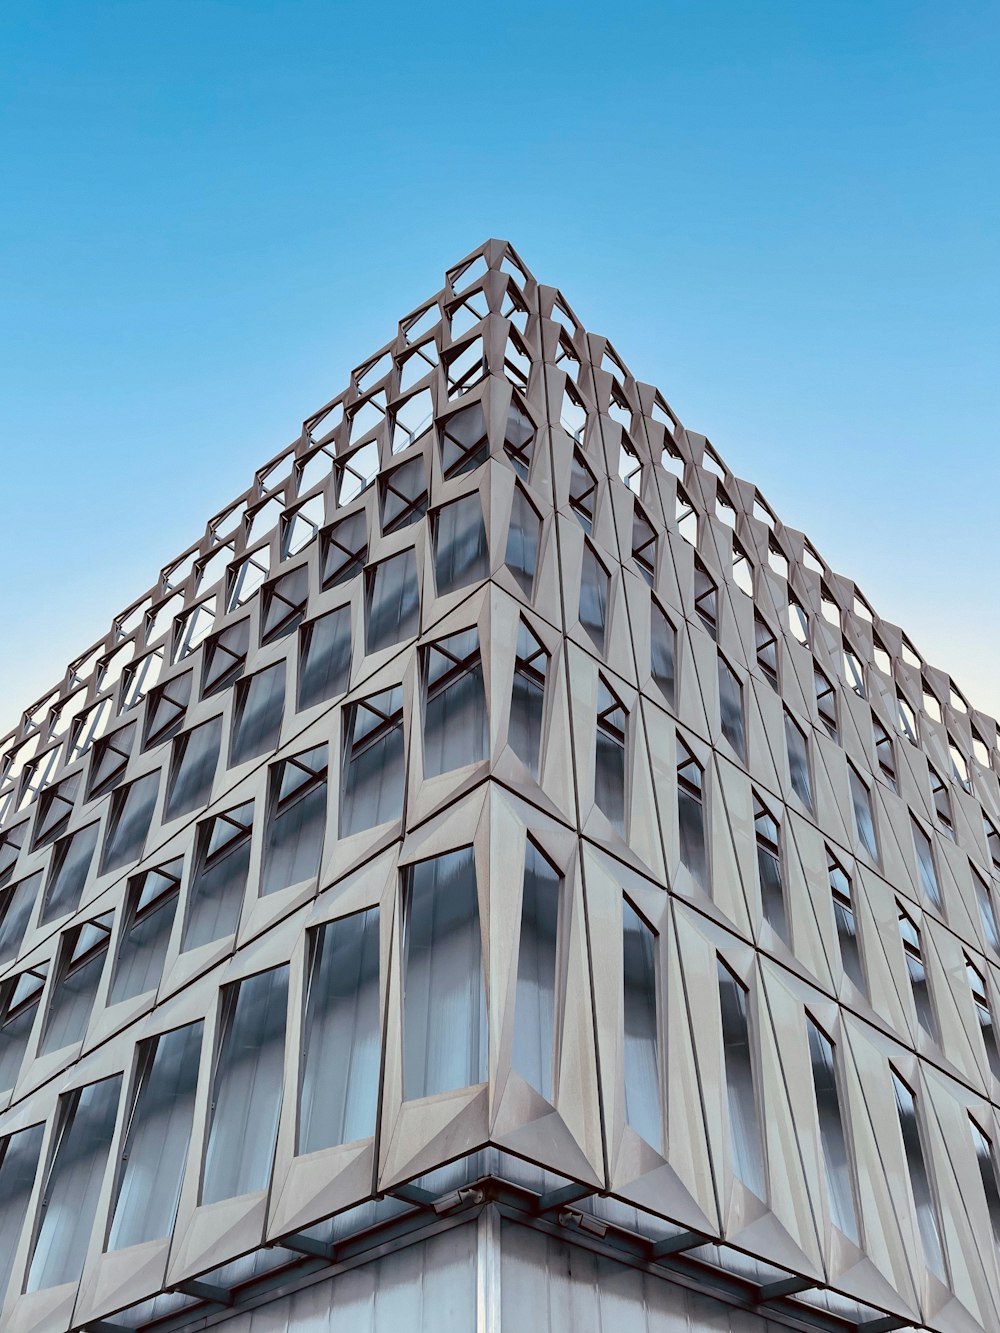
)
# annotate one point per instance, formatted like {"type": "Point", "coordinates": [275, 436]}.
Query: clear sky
{"type": "Point", "coordinates": [783, 212]}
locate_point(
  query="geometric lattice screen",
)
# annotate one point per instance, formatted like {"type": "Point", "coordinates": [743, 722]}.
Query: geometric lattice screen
{"type": "Point", "coordinates": [500, 826]}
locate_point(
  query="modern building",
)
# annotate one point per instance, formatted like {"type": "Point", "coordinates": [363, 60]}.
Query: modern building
{"type": "Point", "coordinates": [500, 878]}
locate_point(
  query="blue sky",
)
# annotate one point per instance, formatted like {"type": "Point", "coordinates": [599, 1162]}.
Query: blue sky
{"type": "Point", "coordinates": [783, 212]}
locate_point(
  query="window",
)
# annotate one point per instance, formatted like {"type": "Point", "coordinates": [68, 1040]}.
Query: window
{"type": "Point", "coordinates": [225, 654]}
{"type": "Point", "coordinates": [772, 893]}
{"type": "Point", "coordinates": [798, 760]}
{"type": "Point", "coordinates": [222, 864]}
{"type": "Point", "coordinates": [706, 598]}
{"type": "Point", "coordinates": [56, 804]}
{"type": "Point", "coordinates": [461, 555]}
{"type": "Point", "coordinates": [987, 1162]}
{"type": "Point", "coordinates": [192, 768]}
{"type": "Point", "coordinates": [920, 1185]}
{"type": "Point", "coordinates": [767, 651]}
{"type": "Point", "coordinates": [663, 652]}
{"type": "Point", "coordinates": [582, 491]}
{"type": "Point", "coordinates": [826, 703]}
{"type": "Point", "coordinates": [260, 702]}
{"type": "Point", "coordinates": [846, 922]}
{"type": "Point", "coordinates": [742, 571]}
{"type": "Point", "coordinates": [987, 910]}
{"type": "Point", "coordinates": [864, 815]}
{"type": "Point", "coordinates": [284, 603]}
{"type": "Point", "coordinates": [913, 956]}
{"type": "Point", "coordinates": [609, 761]}
{"type": "Point", "coordinates": [527, 699]}
{"type": "Point", "coordinates": [10, 847]}
{"type": "Point", "coordinates": [884, 753]}
{"type": "Point", "coordinates": [925, 863]}
{"type": "Point", "coordinates": [149, 918]}
{"type": "Point", "coordinates": [640, 1044]}
{"type": "Point", "coordinates": [324, 657]}
{"type": "Point", "coordinates": [19, 1160]}
{"type": "Point", "coordinates": [69, 867]}
{"type": "Point", "coordinates": [293, 840]}
{"type": "Point", "coordinates": [644, 545]}
{"type": "Point", "coordinates": [906, 719]}
{"type": "Point", "coordinates": [685, 516]}
{"type": "Point", "coordinates": [746, 1143]}
{"type": "Point", "coordinates": [533, 1049]}
{"type": "Point", "coordinates": [731, 708]}
{"type": "Point", "coordinates": [17, 902]}
{"type": "Point", "coordinates": [341, 1046]}
{"type": "Point", "coordinates": [246, 1088]}
{"type": "Point", "coordinates": [839, 1186]}
{"type": "Point", "coordinates": [151, 1168]}
{"type": "Point", "coordinates": [128, 822]}
{"type": "Point", "coordinates": [344, 550]}
{"type": "Point", "coordinates": [981, 1000]}
{"type": "Point", "coordinates": [374, 769]}
{"type": "Point", "coordinates": [691, 813]}
{"type": "Point", "coordinates": [521, 553]}
{"type": "Point", "coordinates": [444, 1004]}
{"type": "Point", "coordinates": [798, 621]}
{"type": "Point", "coordinates": [86, 1124]}
{"type": "Point", "coordinates": [854, 672]}
{"type": "Point", "coordinates": [165, 710]}
{"type": "Point", "coordinates": [20, 997]}
{"type": "Point", "coordinates": [992, 841]}
{"type": "Point", "coordinates": [110, 760]}
{"type": "Point", "coordinates": [464, 442]}
{"type": "Point", "coordinates": [393, 602]}
{"type": "Point", "coordinates": [942, 802]}
{"type": "Point", "coordinates": [455, 721]}
{"type": "Point", "coordinates": [519, 439]}
{"type": "Point", "coordinates": [82, 954]}
{"type": "Point", "coordinates": [358, 470]}
{"type": "Point", "coordinates": [595, 591]}
{"type": "Point", "coordinates": [404, 495]}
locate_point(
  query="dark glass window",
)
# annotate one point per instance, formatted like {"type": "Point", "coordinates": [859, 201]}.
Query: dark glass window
{"type": "Point", "coordinates": [166, 708]}
{"type": "Point", "coordinates": [985, 1158]}
{"type": "Point", "coordinates": [456, 729]}
{"type": "Point", "coordinates": [151, 1169]}
{"type": "Point", "coordinates": [260, 702]}
{"type": "Point", "coordinates": [644, 545]}
{"type": "Point", "coordinates": [798, 760]}
{"type": "Point", "coordinates": [519, 439]}
{"type": "Point", "coordinates": [826, 703]}
{"type": "Point", "coordinates": [582, 491]}
{"type": "Point", "coordinates": [663, 652]}
{"type": "Point", "coordinates": [374, 762]}
{"type": "Point", "coordinates": [128, 823]}
{"type": "Point", "coordinates": [595, 592]}
{"type": "Point", "coordinates": [404, 495]}
{"type": "Point", "coordinates": [55, 805]}
{"type": "Point", "coordinates": [984, 1014]}
{"type": "Point", "coordinates": [82, 955]}
{"type": "Point", "coordinates": [444, 1001]}
{"type": "Point", "coordinates": [284, 603]}
{"type": "Point", "coordinates": [533, 1049]}
{"type": "Point", "coordinates": [461, 555]}
{"type": "Point", "coordinates": [941, 797]}
{"type": "Point", "coordinates": [521, 554]}
{"type": "Point", "coordinates": [393, 602]}
{"type": "Point", "coordinates": [920, 1184]}
{"type": "Point", "coordinates": [73, 1184]}
{"type": "Point", "coordinates": [527, 701]}
{"type": "Point", "coordinates": [864, 815]}
{"type": "Point", "coordinates": [246, 1088]}
{"type": "Point", "coordinates": [111, 756]}
{"type": "Point", "coordinates": [16, 904]}
{"type": "Point", "coordinates": [731, 709]}
{"type": "Point", "coordinates": [772, 892]}
{"type": "Point", "coordinates": [464, 442]}
{"type": "Point", "coordinates": [846, 922]}
{"type": "Point", "coordinates": [225, 654]}
{"type": "Point", "coordinates": [149, 918]}
{"type": "Point", "coordinates": [192, 768]}
{"type": "Point", "coordinates": [609, 761]}
{"type": "Point", "coordinates": [767, 651]}
{"type": "Point", "coordinates": [839, 1185]}
{"type": "Point", "coordinates": [746, 1141]}
{"type": "Point", "coordinates": [706, 598]}
{"type": "Point", "coordinates": [691, 814]}
{"type": "Point", "coordinates": [913, 956]}
{"type": "Point", "coordinates": [344, 550]}
{"type": "Point", "coordinates": [20, 997]}
{"type": "Point", "coordinates": [342, 1039]}
{"type": "Point", "coordinates": [984, 897]}
{"type": "Point", "coordinates": [324, 657]}
{"type": "Point", "coordinates": [20, 1155]}
{"type": "Point", "coordinates": [293, 840]}
{"type": "Point", "coordinates": [925, 863]}
{"type": "Point", "coordinates": [218, 885]}
{"type": "Point", "coordinates": [640, 1044]}
{"type": "Point", "coordinates": [68, 872]}
{"type": "Point", "coordinates": [884, 753]}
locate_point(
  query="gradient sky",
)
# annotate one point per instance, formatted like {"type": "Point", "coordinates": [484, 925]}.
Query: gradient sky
{"type": "Point", "coordinates": [783, 212]}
